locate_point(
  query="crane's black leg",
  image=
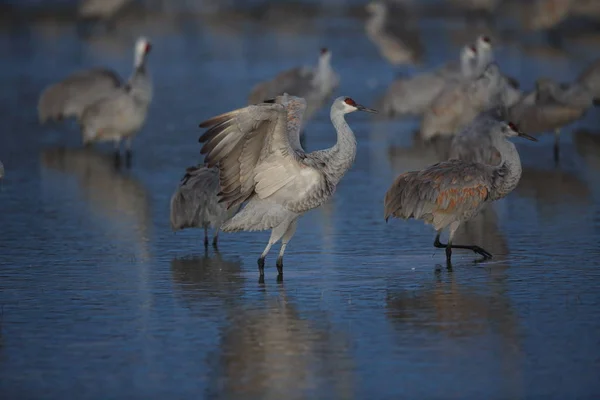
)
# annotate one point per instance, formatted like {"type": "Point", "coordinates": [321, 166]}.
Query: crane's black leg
{"type": "Point", "coordinates": [128, 153]}
{"type": "Point", "coordinates": [261, 266]}
{"type": "Point", "coordinates": [117, 159]}
{"type": "Point", "coordinates": [205, 238]}
{"type": "Point", "coordinates": [215, 241]}
{"type": "Point", "coordinates": [556, 146]}
{"type": "Point", "coordinates": [449, 246]}
{"type": "Point", "coordinates": [280, 265]}
{"type": "Point", "coordinates": [128, 158]}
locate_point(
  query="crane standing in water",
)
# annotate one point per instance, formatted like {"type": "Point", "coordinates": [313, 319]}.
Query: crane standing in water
{"type": "Point", "coordinates": [261, 162]}
{"type": "Point", "coordinates": [195, 203]}
{"type": "Point", "coordinates": [452, 192]}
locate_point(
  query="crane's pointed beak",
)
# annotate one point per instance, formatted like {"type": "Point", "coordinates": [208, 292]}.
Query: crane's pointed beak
{"type": "Point", "coordinates": [365, 109]}
{"type": "Point", "coordinates": [528, 137]}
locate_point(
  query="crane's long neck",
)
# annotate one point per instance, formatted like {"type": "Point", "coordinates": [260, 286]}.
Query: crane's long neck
{"type": "Point", "coordinates": [507, 174]}
{"type": "Point", "coordinates": [485, 57]}
{"type": "Point", "coordinates": [342, 154]}
{"type": "Point", "coordinates": [324, 71]}
{"type": "Point", "coordinates": [140, 83]}
{"type": "Point", "coordinates": [376, 22]}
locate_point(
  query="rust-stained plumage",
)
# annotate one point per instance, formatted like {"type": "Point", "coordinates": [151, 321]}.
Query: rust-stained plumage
{"type": "Point", "coordinates": [438, 194]}
{"type": "Point", "coordinates": [451, 192]}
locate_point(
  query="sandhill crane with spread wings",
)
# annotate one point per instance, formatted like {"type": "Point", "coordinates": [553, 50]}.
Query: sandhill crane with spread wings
{"type": "Point", "coordinates": [261, 162]}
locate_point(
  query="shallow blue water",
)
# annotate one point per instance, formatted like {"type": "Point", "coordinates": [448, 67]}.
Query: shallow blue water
{"type": "Point", "coordinates": [101, 300]}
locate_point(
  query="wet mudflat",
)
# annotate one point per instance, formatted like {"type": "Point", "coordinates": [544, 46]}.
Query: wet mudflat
{"type": "Point", "coordinates": [101, 300]}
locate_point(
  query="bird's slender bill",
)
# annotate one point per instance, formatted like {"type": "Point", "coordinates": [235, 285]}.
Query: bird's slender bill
{"type": "Point", "coordinates": [528, 137]}
{"type": "Point", "coordinates": [365, 109]}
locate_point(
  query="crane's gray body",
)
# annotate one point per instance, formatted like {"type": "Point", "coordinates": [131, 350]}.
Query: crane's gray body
{"type": "Point", "coordinates": [314, 84]}
{"type": "Point", "coordinates": [451, 192]}
{"type": "Point", "coordinates": [551, 106]}
{"type": "Point", "coordinates": [195, 203]}
{"type": "Point", "coordinates": [414, 96]}
{"type": "Point", "coordinates": [590, 78]}
{"type": "Point", "coordinates": [262, 164]}
{"type": "Point", "coordinates": [102, 9]}
{"type": "Point", "coordinates": [71, 96]}
{"type": "Point", "coordinates": [475, 142]}
{"type": "Point", "coordinates": [461, 102]}
{"type": "Point", "coordinates": [122, 113]}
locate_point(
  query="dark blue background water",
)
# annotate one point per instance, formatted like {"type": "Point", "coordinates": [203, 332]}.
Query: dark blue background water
{"type": "Point", "coordinates": [101, 300]}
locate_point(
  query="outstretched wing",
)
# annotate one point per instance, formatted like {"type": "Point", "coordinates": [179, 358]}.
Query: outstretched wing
{"type": "Point", "coordinates": [257, 149]}
{"type": "Point", "coordinates": [446, 189]}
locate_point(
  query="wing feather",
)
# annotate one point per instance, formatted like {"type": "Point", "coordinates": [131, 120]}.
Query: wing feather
{"type": "Point", "coordinates": [452, 187]}
{"type": "Point", "coordinates": [257, 150]}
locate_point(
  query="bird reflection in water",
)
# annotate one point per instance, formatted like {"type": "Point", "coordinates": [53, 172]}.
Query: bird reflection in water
{"type": "Point", "coordinates": [207, 277]}
{"type": "Point", "coordinates": [550, 188]}
{"type": "Point", "coordinates": [270, 351]}
{"type": "Point", "coordinates": [463, 319]}
{"type": "Point", "coordinates": [587, 145]}
{"type": "Point", "coordinates": [117, 199]}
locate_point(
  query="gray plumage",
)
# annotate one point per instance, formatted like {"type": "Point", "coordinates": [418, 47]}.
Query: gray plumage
{"type": "Point", "coordinates": [479, 5]}
{"type": "Point", "coordinates": [262, 164]}
{"type": "Point", "coordinates": [413, 96]}
{"type": "Point", "coordinates": [461, 102]}
{"type": "Point", "coordinates": [550, 107]}
{"type": "Point", "coordinates": [121, 114]}
{"type": "Point", "coordinates": [590, 78]}
{"type": "Point", "coordinates": [195, 203]}
{"type": "Point", "coordinates": [101, 9]}
{"type": "Point", "coordinates": [452, 192]}
{"type": "Point", "coordinates": [397, 42]}
{"type": "Point", "coordinates": [475, 143]}
{"type": "Point", "coordinates": [314, 84]}
{"type": "Point", "coordinates": [71, 96]}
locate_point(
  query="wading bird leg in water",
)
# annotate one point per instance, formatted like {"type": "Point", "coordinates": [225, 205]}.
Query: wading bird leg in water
{"type": "Point", "coordinates": [284, 241]}
{"type": "Point", "coordinates": [216, 239]}
{"type": "Point", "coordinates": [206, 237]}
{"type": "Point", "coordinates": [117, 153]}
{"type": "Point", "coordinates": [449, 246]}
{"type": "Point", "coordinates": [128, 153]}
{"type": "Point", "coordinates": [277, 233]}
{"type": "Point", "coordinates": [556, 145]}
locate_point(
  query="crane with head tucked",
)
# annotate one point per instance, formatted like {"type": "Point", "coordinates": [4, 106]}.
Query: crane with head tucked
{"type": "Point", "coordinates": [195, 203]}
{"type": "Point", "coordinates": [261, 162]}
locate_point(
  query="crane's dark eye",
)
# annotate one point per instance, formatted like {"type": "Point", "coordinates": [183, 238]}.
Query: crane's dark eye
{"type": "Point", "coordinates": [324, 50]}
{"type": "Point", "coordinates": [487, 39]}
{"type": "Point", "coordinates": [513, 127]}
{"type": "Point", "coordinates": [473, 49]}
{"type": "Point", "coordinates": [350, 102]}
